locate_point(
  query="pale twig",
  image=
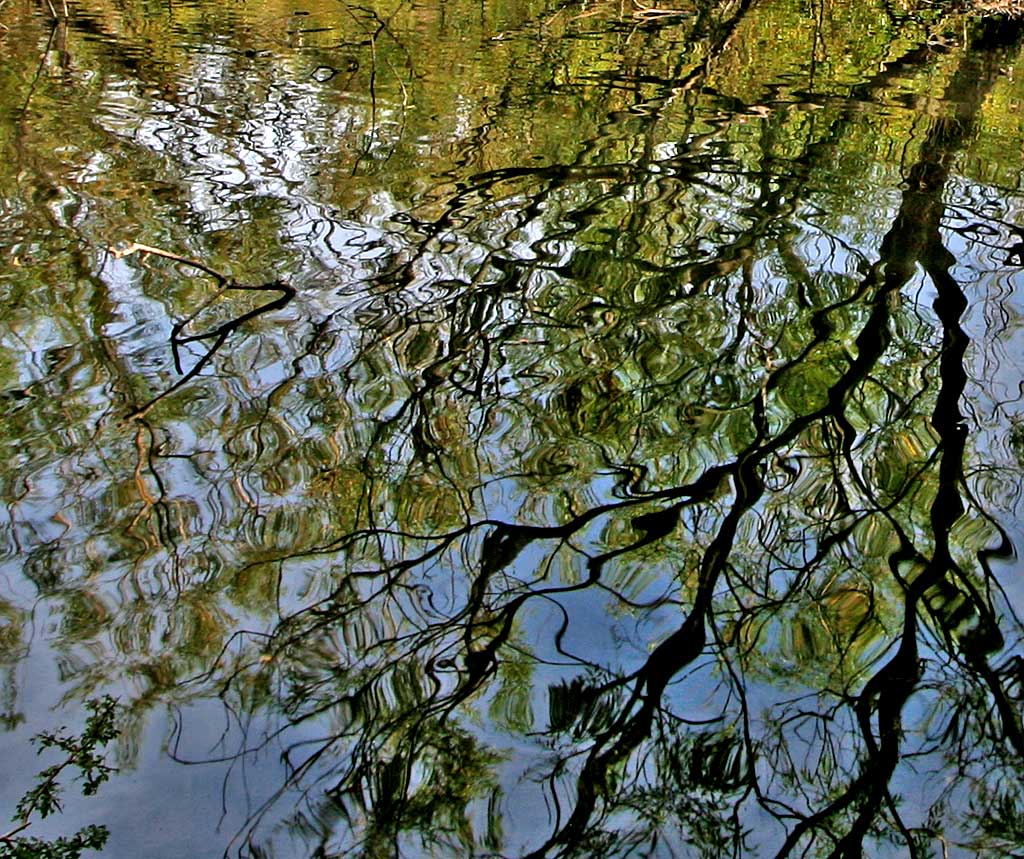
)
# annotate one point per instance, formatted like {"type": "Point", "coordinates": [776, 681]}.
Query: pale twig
{"type": "Point", "coordinates": [53, 10]}
{"type": "Point", "coordinates": [138, 248]}
{"type": "Point", "coordinates": [643, 11]}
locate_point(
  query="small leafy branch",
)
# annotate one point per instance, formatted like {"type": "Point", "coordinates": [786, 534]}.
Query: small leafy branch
{"type": "Point", "coordinates": [80, 752]}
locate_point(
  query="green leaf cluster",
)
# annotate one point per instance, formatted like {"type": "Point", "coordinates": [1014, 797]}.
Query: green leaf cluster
{"type": "Point", "coordinates": [82, 753]}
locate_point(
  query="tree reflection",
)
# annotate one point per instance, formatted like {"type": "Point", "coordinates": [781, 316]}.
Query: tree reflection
{"type": "Point", "coordinates": [788, 555]}
{"type": "Point", "coordinates": [624, 503]}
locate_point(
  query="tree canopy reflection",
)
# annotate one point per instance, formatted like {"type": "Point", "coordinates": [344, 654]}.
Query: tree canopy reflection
{"type": "Point", "coordinates": [637, 502]}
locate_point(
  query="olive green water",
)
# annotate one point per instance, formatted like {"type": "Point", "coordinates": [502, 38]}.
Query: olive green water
{"type": "Point", "coordinates": [616, 449]}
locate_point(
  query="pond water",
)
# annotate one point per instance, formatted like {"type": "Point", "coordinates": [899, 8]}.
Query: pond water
{"type": "Point", "coordinates": [516, 428]}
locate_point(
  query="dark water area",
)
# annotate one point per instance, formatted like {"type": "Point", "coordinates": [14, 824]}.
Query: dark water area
{"type": "Point", "coordinates": [516, 428]}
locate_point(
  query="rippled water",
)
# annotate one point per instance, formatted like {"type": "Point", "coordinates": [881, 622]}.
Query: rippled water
{"type": "Point", "coordinates": [516, 428]}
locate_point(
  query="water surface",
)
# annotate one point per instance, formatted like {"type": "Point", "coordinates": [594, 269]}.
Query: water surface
{"type": "Point", "coordinates": [534, 429]}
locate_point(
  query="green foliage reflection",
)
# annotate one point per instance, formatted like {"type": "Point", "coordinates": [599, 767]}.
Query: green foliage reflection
{"type": "Point", "coordinates": [633, 470]}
